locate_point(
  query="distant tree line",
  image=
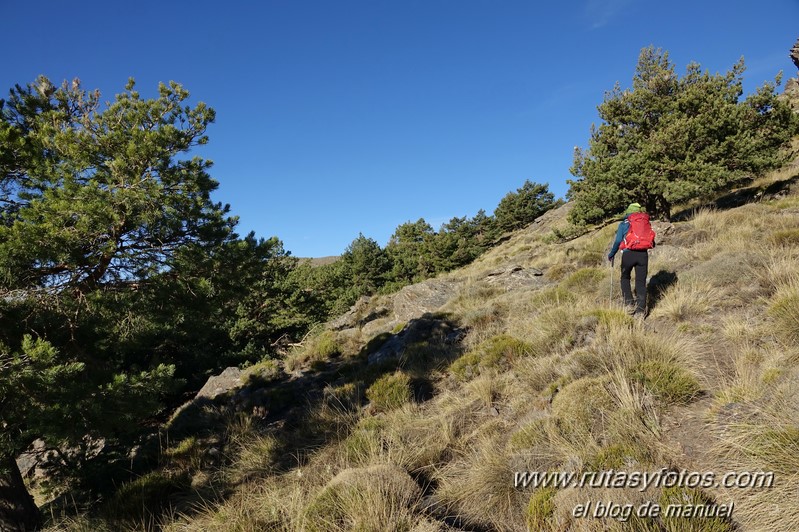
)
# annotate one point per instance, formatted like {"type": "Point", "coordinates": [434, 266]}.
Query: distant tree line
{"type": "Point", "coordinates": [416, 251]}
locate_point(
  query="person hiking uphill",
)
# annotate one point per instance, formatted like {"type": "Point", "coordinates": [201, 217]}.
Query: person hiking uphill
{"type": "Point", "coordinates": [634, 237]}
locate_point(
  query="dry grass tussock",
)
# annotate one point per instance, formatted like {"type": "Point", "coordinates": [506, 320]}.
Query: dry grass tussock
{"type": "Point", "coordinates": [688, 301]}
{"type": "Point", "coordinates": [761, 436]}
{"type": "Point", "coordinates": [478, 486]}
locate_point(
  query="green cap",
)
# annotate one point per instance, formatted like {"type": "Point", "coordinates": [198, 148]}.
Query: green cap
{"type": "Point", "coordinates": [634, 207]}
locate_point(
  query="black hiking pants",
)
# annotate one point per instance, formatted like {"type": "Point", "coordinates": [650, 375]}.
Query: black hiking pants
{"type": "Point", "coordinates": [640, 261]}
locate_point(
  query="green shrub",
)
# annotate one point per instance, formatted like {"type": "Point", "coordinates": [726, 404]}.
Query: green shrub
{"type": "Point", "coordinates": [584, 280]}
{"type": "Point", "coordinates": [785, 311]}
{"type": "Point", "coordinates": [541, 509]}
{"type": "Point", "coordinates": [496, 352]}
{"type": "Point", "coordinates": [390, 391]}
{"type": "Point", "coordinates": [667, 381]}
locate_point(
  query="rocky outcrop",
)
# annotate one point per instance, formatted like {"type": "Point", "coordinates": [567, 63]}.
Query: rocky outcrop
{"type": "Point", "coordinates": [795, 53]}
{"type": "Point", "coordinates": [362, 312]}
{"type": "Point", "coordinates": [418, 299]}
{"type": "Point", "coordinates": [514, 276]}
{"type": "Point", "coordinates": [427, 329]}
{"type": "Point", "coordinates": [374, 315]}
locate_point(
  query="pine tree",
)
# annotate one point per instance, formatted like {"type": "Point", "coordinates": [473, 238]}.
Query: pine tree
{"type": "Point", "coordinates": [671, 139]}
{"type": "Point", "coordinates": [519, 209]}
{"type": "Point", "coordinates": [97, 219]}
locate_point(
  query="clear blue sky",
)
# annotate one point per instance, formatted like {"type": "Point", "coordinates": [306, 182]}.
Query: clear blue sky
{"type": "Point", "coordinates": [336, 117]}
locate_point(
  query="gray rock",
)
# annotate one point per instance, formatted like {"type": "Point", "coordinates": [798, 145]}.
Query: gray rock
{"type": "Point", "coordinates": [27, 461]}
{"type": "Point", "coordinates": [391, 349]}
{"type": "Point", "coordinates": [418, 299]}
{"type": "Point", "coordinates": [223, 383]}
{"type": "Point", "coordinates": [361, 313]}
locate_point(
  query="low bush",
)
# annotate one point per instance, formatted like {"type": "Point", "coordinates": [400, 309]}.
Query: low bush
{"type": "Point", "coordinates": [582, 408]}
{"type": "Point", "coordinates": [389, 392]}
{"type": "Point", "coordinates": [668, 382]}
{"type": "Point", "coordinates": [584, 280]}
{"type": "Point", "coordinates": [496, 352]}
{"type": "Point", "coordinates": [541, 508]}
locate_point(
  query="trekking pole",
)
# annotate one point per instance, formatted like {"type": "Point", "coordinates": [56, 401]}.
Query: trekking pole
{"type": "Point", "coordinates": [611, 281]}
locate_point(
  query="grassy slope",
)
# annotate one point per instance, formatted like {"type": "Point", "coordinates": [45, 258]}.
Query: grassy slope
{"type": "Point", "coordinates": [550, 379]}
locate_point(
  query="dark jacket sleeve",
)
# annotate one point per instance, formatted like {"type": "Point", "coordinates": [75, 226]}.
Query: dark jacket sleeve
{"type": "Point", "coordinates": [624, 226]}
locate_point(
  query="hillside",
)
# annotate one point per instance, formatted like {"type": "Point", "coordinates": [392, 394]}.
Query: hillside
{"type": "Point", "coordinates": [415, 411]}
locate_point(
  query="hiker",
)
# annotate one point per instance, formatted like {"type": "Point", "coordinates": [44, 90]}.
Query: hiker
{"type": "Point", "coordinates": [634, 237]}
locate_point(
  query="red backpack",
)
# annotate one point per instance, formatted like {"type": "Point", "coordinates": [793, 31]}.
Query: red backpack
{"type": "Point", "coordinates": [640, 236]}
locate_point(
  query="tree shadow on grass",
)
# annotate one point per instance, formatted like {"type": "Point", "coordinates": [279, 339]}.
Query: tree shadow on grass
{"type": "Point", "coordinates": [741, 196]}
{"type": "Point", "coordinates": [287, 418]}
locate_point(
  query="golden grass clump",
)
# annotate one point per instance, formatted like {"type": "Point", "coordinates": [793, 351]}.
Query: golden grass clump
{"type": "Point", "coordinates": [529, 435]}
{"type": "Point", "coordinates": [536, 373]}
{"type": "Point", "coordinates": [585, 280]}
{"type": "Point", "coordinates": [781, 271]}
{"type": "Point", "coordinates": [686, 301]}
{"type": "Point", "coordinates": [761, 436]}
{"type": "Point", "coordinates": [784, 309]}
{"type": "Point", "coordinates": [785, 238]}
{"type": "Point", "coordinates": [478, 487]}
{"type": "Point", "coordinates": [256, 457]}
{"type": "Point", "coordinates": [378, 497]}
{"type": "Point", "coordinates": [317, 350]}
{"type": "Point", "coordinates": [541, 508]}
{"type": "Point", "coordinates": [582, 409]}
{"type": "Point", "coordinates": [627, 347]}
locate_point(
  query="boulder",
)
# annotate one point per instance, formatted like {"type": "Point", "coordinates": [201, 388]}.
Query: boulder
{"type": "Point", "coordinates": [221, 384]}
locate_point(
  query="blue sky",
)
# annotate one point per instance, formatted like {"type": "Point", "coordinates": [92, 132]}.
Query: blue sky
{"type": "Point", "coordinates": [337, 117]}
